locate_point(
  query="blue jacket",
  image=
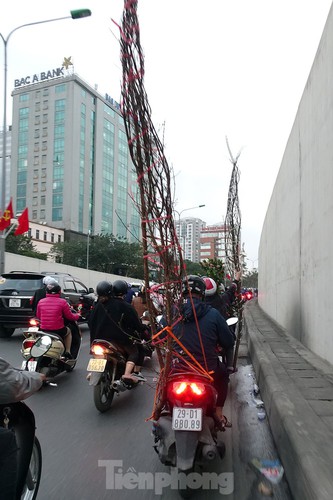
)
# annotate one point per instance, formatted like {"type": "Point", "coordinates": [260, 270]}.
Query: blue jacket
{"type": "Point", "coordinates": [213, 328]}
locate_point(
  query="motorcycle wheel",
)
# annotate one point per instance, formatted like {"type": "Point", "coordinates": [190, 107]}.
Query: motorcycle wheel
{"type": "Point", "coordinates": [32, 481]}
{"type": "Point", "coordinates": [184, 490]}
{"type": "Point", "coordinates": [103, 393]}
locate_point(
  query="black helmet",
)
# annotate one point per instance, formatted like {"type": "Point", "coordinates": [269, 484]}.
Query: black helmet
{"type": "Point", "coordinates": [104, 288]}
{"type": "Point", "coordinates": [53, 288]}
{"type": "Point", "coordinates": [193, 283]}
{"type": "Point", "coordinates": [120, 287]}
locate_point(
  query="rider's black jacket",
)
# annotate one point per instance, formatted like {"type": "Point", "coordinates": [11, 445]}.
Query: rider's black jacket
{"type": "Point", "coordinates": [115, 320]}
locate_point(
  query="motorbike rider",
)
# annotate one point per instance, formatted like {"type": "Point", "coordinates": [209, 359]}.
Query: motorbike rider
{"type": "Point", "coordinates": [52, 312]}
{"type": "Point", "coordinates": [15, 385]}
{"type": "Point", "coordinates": [218, 301]}
{"type": "Point", "coordinates": [115, 320]}
{"type": "Point", "coordinates": [201, 333]}
{"type": "Point", "coordinates": [41, 292]}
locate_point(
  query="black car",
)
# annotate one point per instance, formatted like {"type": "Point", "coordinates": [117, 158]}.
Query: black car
{"type": "Point", "coordinates": [75, 292]}
{"type": "Point", "coordinates": [16, 291]}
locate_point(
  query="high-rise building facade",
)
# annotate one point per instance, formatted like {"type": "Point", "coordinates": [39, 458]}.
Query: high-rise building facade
{"type": "Point", "coordinates": [188, 232]}
{"type": "Point", "coordinates": [212, 242]}
{"type": "Point", "coordinates": [70, 162]}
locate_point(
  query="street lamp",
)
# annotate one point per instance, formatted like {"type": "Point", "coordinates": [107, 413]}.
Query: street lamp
{"type": "Point", "coordinates": [75, 14]}
{"type": "Point", "coordinates": [88, 243]}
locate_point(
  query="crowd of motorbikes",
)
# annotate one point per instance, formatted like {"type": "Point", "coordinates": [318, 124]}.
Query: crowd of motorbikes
{"type": "Point", "coordinates": [185, 434]}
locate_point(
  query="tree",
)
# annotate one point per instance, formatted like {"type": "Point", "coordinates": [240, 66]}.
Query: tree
{"type": "Point", "coordinates": [22, 245]}
{"type": "Point", "coordinates": [214, 268]}
{"type": "Point", "coordinates": [193, 267]}
{"type": "Point", "coordinates": [250, 279]}
{"type": "Point", "coordinates": [107, 254]}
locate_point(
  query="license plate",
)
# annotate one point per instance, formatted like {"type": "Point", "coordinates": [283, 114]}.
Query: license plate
{"type": "Point", "coordinates": [32, 365]}
{"type": "Point", "coordinates": [14, 302]}
{"type": "Point", "coordinates": [96, 365]}
{"type": "Point", "coordinates": [33, 329]}
{"type": "Point", "coordinates": [187, 419]}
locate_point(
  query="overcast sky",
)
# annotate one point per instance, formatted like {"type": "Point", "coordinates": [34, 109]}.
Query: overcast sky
{"type": "Point", "coordinates": [214, 68]}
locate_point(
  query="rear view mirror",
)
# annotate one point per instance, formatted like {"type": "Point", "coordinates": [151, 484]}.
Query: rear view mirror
{"type": "Point", "coordinates": [41, 346]}
{"type": "Point", "coordinates": [232, 321]}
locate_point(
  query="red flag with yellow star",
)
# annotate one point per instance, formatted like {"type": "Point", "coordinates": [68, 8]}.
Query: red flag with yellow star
{"type": "Point", "coordinates": [7, 216]}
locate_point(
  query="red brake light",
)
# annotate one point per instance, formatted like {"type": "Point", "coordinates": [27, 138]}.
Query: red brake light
{"type": "Point", "coordinates": [27, 344]}
{"type": "Point", "coordinates": [98, 350]}
{"type": "Point", "coordinates": [188, 388]}
{"type": "Point", "coordinates": [33, 322]}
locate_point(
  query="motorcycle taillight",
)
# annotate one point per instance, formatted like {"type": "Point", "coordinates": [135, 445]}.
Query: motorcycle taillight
{"type": "Point", "coordinates": [188, 388]}
{"type": "Point", "coordinates": [98, 350]}
{"type": "Point", "coordinates": [34, 322]}
{"type": "Point", "coordinates": [27, 344]}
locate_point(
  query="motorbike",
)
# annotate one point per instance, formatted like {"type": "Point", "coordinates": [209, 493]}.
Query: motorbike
{"type": "Point", "coordinates": [106, 368]}
{"type": "Point", "coordinates": [19, 418]}
{"type": "Point", "coordinates": [186, 432]}
{"type": "Point", "coordinates": [50, 350]}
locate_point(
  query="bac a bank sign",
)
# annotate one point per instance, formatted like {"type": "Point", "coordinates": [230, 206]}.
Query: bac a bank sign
{"type": "Point", "coordinates": [39, 77]}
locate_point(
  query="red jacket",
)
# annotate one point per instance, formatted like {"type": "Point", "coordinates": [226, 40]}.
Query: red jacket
{"type": "Point", "coordinates": [52, 310]}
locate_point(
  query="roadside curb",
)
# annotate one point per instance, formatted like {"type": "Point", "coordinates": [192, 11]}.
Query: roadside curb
{"type": "Point", "coordinates": [304, 442]}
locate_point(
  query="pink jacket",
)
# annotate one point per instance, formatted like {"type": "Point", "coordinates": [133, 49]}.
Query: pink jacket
{"type": "Point", "coordinates": [52, 310]}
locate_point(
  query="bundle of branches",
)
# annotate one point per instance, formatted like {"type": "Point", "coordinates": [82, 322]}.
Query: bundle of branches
{"type": "Point", "coordinates": [154, 177]}
{"type": "Point", "coordinates": [233, 240]}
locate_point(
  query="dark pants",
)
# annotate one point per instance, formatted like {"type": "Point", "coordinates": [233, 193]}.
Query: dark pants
{"type": "Point", "coordinates": [8, 464]}
{"type": "Point", "coordinates": [221, 381]}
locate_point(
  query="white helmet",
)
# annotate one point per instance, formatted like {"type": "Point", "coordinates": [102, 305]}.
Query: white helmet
{"type": "Point", "coordinates": [211, 286]}
{"type": "Point", "coordinates": [48, 280]}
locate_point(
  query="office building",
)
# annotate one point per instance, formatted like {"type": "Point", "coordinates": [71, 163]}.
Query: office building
{"type": "Point", "coordinates": [70, 160]}
{"type": "Point", "coordinates": [188, 232]}
{"type": "Point", "coordinates": [212, 242]}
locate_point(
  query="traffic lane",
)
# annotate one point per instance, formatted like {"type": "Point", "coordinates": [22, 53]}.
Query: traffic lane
{"type": "Point", "coordinates": [75, 436]}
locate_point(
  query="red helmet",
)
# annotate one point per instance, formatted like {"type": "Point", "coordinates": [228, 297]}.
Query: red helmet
{"type": "Point", "coordinates": [211, 286]}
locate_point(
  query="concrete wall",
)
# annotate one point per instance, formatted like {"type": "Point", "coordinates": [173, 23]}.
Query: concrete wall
{"type": "Point", "coordinates": [296, 246]}
{"type": "Point", "coordinates": [15, 262]}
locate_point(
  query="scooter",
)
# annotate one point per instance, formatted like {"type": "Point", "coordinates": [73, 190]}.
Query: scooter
{"type": "Point", "coordinates": [51, 349]}
{"type": "Point", "coordinates": [19, 418]}
{"type": "Point", "coordinates": [186, 433]}
{"type": "Point", "coordinates": [106, 368]}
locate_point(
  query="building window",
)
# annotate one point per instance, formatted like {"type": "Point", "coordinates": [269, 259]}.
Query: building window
{"type": "Point", "coordinates": [44, 145]}
{"type": "Point", "coordinates": [43, 186]}
{"type": "Point", "coordinates": [35, 187]}
{"type": "Point", "coordinates": [45, 92]}
{"type": "Point", "coordinates": [59, 238]}
{"type": "Point", "coordinates": [45, 105]}
{"type": "Point", "coordinates": [35, 174]}
{"type": "Point", "coordinates": [42, 200]}
{"type": "Point", "coordinates": [34, 214]}
{"type": "Point", "coordinates": [52, 237]}
{"type": "Point", "coordinates": [60, 88]}
{"type": "Point", "coordinates": [34, 201]}
{"type": "Point", "coordinates": [42, 214]}
{"type": "Point", "coordinates": [24, 97]}
{"type": "Point", "coordinates": [45, 236]}
{"type": "Point", "coordinates": [36, 133]}
{"type": "Point", "coordinates": [45, 118]}
{"type": "Point", "coordinates": [37, 120]}
{"type": "Point", "coordinates": [44, 132]}
{"type": "Point", "coordinates": [37, 234]}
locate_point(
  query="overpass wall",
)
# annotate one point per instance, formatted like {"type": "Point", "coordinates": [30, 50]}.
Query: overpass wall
{"type": "Point", "coordinates": [14, 262]}
{"type": "Point", "coordinates": [296, 245]}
